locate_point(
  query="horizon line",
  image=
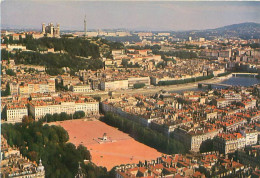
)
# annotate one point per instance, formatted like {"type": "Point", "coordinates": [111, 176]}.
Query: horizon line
{"type": "Point", "coordinates": [6, 27]}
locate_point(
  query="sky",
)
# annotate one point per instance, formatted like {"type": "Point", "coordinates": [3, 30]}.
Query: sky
{"type": "Point", "coordinates": [131, 15]}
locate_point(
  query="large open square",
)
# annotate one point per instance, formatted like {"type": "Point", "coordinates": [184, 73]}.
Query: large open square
{"type": "Point", "coordinates": [113, 149]}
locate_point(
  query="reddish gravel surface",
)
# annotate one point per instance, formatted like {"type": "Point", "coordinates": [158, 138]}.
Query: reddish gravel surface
{"type": "Point", "coordinates": [119, 149]}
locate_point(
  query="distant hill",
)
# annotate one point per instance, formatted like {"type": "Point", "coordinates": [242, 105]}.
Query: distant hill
{"type": "Point", "coordinates": [240, 26]}
{"type": "Point", "coordinates": [248, 30]}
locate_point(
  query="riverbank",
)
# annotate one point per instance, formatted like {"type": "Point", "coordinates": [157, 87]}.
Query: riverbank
{"type": "Point", "coordinates": [154, 89]}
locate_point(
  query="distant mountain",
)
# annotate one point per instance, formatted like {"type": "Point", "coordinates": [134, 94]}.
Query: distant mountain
{"type": "Point", "coordinates": [240, 26]}
{"type": "Point", "coordinates": [248, 30]}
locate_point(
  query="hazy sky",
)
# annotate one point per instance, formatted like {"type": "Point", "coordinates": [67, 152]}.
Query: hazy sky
{"type": "Point", "coordinates": [129, 15]}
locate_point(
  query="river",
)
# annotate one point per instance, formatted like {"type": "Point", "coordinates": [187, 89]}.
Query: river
{"type": "Point", "coordinates": [236, 81]}
{"type": "Point", "coordinates": [242, 81]}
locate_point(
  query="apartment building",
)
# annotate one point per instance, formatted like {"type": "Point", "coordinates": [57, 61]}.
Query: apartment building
{"type": "Point", "coordinates": [14, 88]}
{"type": "Point", "coordinates": [116, 52]}
{"type": "Point", "coordinates": [221, 102]}
{"type": "Point", "coordinates": [233, 96]}
{"type": "Point", "coordinates": [123, 111]}
{"type": "Point", "coordinates": [249, 156]}
{"type": "Point", "coordinates": [107, 85]}
{"type": "Point", "coordinates": [136, 80]}
{"type": "Point", "coordinates": [250, 135]}
{"type": "Point", "coordinates": [67, 80]}
{"type": "Point", "coordinates": [194, 138]}
{"type": "Point", "coordinates": [14, 164]}
{"type": "Point", "coordinates": [37, 87]}
{"type": "Point", "coordinates": [15, 112]}
{"type": "Point", "coordinates": [15, 47]}
{"type": "Point", "coordinates": [228, 142]}
{"type": "Point", "coordinates": [179, 165]}
{"type": "Point", "coordinates": [80, 88]}
{"type": "Point", "coordinates": [39, 108]}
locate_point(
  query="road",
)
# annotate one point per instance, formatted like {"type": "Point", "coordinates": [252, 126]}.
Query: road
{"type": "Point", "coordinates": [154, 89]}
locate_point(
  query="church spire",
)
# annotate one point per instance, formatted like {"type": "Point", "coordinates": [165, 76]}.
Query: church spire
{"type": "Point", "coordinates": [40, 169]}
{"type": "Point", "coordinates": [80, 173]}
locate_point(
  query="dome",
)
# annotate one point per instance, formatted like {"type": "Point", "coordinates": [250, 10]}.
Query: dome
{"type": "Point", "coordinates": [40, 168]}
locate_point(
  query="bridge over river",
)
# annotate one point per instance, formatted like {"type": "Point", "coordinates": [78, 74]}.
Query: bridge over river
{"type": "Point", "coordinates": [244, 74]}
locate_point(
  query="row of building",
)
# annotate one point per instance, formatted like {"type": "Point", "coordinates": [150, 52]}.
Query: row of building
{"type": "Point", "coordinates": [38, 105]}
{"type": "Point", "coordinates": [210, 164]}
{"type": "Point", "coordinates": [14, 164]}
{"type": "Point", "coordinates": [225, 116]}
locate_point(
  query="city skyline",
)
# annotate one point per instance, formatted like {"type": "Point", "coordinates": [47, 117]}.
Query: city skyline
{"type": "Point", "coordinates": [126, 93]}
{"type": "Point", "coordinates": [175, 16]}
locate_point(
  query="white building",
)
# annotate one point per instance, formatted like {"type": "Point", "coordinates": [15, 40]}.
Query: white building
{"type": "Point", "coordinates": [251, 136]}
{"type": "Point", "coordinates": [229, 143]}
{"type": "Point", "coordinates": [39, 108]}
{"type": "Point", "coordinates": [18, 47]}
{"type": "Point", "coordinates": [81, 88]}
{"type": "Point", "coordinates": [114, 85]}
{"type": "Point", "coordinates": [15, 113]}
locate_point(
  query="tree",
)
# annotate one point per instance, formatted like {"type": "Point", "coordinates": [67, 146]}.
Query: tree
{"type": "Point", "coordinates": [6, 40]}
{"type": "Point", "coordinates": [139, 85]}
{"type": "Point", "coordinates": [11, 39]}
{"type": "Point", "coordinates": [33, 155]}
{"type": "Point", "coordinates": [62, 134]}
{"type": "Point", "coordinates": [10, 72]}
{"type": "Point", "coordinates": [124, 62]}
{"type": "Point", "coordinates": [64, 116]}
{"type": "Point", "coordinates": [20, 39]}
{"type": "Point", "coordinates": [7, 91]}
{"type": "Point", "coordinates": [55, 62]}
{"type": "Point", "coordinates": [78, 114]}
{"type": "Point", "coordinates": [144, 135]}
{"type": "Point", "coordinates": [3, 113]}
{"type": "Point", "coordinates": [27, 120]}
{"type": "Point", "coordinates": [84, 153]}
{"type": "Point", "coordinates": [98, 98]}
{"type": "Point", "coordinates": [56, 117]}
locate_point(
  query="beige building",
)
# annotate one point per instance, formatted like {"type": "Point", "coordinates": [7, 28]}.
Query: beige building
{"type": "Point", "coordinates": [50, 30]}
{"type": "Point", "coordinates": [194, 138]}
{"type": "Point", "coordinates": [225, 53]}
{"type": "Point", "coordinates": [14, 88]}
{"type": "Point", "coordinates": [39, 87]}
{"type": "Point", "coordinates": [136, 80]}
{"type": "Point", "coordinates": [37, 35]}
{"type": "Point", "coordinates": [15, 112]}
{"type": "Point", "coordinates": [251, 136]}
{"type": "Point", "coordinates": [80, 88]}
{"type": "Point", "coordinates": [39, 108]}
{"type": "Point", "coordinates": [114, 85]}
{"type": "Point", "coordinates": [249, 156]}
{"type": "Point", "coordinates": [201, 39]}
{"type": "Point", "coordinates": [14, 164]}
{"type": "Point", "coordinates": [229, 143]}
{"type": "Point", "coordinates": [117, 52]}
{"type": "Point", "coordinates": [16, 47]}
{"type": "Point", "coordinates": [68, 80]}
{"type": "Point", "coordinates": [221, 102]}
